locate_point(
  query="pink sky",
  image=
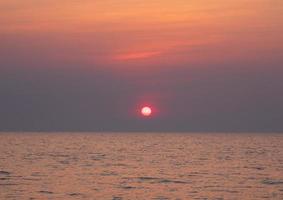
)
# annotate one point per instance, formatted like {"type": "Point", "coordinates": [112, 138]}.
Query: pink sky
{"type": "Point", "coordinates": [115, 31]}
{"type": "Point", "coordinates": [201, 64]}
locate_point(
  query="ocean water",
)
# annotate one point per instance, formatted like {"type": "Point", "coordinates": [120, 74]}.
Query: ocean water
{"type": "Point", "coordinates": [121, 166]}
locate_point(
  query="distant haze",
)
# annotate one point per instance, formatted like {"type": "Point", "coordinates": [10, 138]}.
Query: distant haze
{"type": "Point", "coordinates": [202, 65]}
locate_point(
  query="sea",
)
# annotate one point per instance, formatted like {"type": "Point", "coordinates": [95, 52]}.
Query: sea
{"type": "Point", "coordinates": [146, 166]}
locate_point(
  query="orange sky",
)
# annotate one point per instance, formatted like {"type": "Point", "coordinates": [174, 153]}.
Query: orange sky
{"type": "Point", "coordinates": [155, 31]}
{"type": "Point", "coordinates": [90, 64]}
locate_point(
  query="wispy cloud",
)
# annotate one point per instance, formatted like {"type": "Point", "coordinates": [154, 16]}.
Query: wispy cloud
{"type": "Point", "coordinates": [136, 55]}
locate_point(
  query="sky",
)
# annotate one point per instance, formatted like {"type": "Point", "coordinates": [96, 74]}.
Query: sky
{"type": "Point", "coordinates": [201, 65]}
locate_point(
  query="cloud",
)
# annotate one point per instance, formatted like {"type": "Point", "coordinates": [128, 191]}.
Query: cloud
{"type": "Point", "coordinates": [136, 55]}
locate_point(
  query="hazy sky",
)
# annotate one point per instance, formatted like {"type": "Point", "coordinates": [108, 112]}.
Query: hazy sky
{"type": "Point", "coordinates": [84, 65]}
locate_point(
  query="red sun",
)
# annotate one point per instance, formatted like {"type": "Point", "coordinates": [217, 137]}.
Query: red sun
{"type": "Point", "coordinates": [146, 111]}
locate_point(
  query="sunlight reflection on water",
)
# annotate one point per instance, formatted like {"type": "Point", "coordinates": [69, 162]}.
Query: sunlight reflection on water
{"type": "Point", "coordinates": [141, 166]}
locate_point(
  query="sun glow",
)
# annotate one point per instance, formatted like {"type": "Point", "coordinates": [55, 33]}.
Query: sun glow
{"type": "Point", "coordinates": [146, 111]}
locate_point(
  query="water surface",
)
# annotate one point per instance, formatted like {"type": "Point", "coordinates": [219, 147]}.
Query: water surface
{"type": "Point", "coordinates": [121, 166]}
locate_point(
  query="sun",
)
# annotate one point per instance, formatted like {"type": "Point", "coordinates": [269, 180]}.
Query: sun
{"type": "Point", "coordinates": [146, 111]}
